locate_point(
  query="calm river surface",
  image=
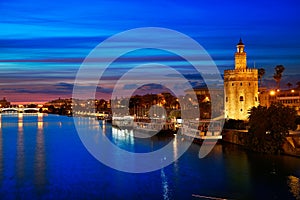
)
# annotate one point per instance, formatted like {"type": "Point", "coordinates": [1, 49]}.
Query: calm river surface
{"type": "Point", "coordinates": [42, 157]}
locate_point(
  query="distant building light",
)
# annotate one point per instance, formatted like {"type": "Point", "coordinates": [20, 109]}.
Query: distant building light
{"type": "Point", "coordinates": [292, 91]}
{"type": "Point", "coordinates": [278, 90]}
{"type": "Point", "coordinates": [272, 92]}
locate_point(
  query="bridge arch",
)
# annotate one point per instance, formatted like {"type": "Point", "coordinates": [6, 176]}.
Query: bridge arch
{"type": "Point", "coordinates": [19, 110]}
{"type": "Point", "coordinates": [31, 110]}
{"type": "Point", "coordinates": [9, 110]}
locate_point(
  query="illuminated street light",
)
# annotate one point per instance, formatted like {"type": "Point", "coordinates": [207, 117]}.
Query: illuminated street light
{"type": "Point", "coordinates": [272, 92]}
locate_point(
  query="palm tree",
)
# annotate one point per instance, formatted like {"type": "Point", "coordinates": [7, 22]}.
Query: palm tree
{"type": "Point", "coordinates": [278, 74]}
{"type": "Point", "coordinates": [298, 84]}
{"type": "Point", "coordinates": [289, 85]}
{"type": "Point", "coordinates": [261, 73]}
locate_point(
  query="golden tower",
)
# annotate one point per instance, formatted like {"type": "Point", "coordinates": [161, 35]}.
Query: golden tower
{"type": "Point", "coordinates": [240, 87]}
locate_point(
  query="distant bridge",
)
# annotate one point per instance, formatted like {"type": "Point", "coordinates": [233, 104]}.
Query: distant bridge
{"type": "Point", "coordinates": [19, 110]}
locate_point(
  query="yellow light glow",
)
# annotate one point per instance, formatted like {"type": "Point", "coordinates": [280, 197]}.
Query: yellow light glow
{"type": "Point", "coordinates": [40, 125]}
{"type": "Point", "coordinates": [278, 90]}
{"type": "Point", "coordinates": [272, 92]}
{"type": "Point", "coordinates": [20, 121]}
{"type": "Point", "coordinates": [292, 91]}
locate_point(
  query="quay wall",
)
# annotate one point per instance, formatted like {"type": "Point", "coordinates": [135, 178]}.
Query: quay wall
{"type": "Point", "coordinates": [234, 136]}
{"type": "Point", "coordinates": [290, 147]}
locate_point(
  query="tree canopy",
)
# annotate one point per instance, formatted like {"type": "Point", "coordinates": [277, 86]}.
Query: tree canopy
{"type": "Point", "coordinates": [261, 73]}
{"type": "Point", "coordinates": [278, 74]}
{"type": "Point", "coordinates": [269, 126]}
{"type": "Point", "coordinates": [289, 85]}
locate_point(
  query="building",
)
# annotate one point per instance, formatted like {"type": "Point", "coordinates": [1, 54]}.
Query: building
{"type": "Point", "coordinates": [58, 103]}
{"type": "Point", "coordinates": [289, 98]}
{"type": "Point", "coordinates": [4, 103]}
{"type": "Point", "coordinates": [240, 87]}
{"type": "Point", "coordinates": [204, 92]}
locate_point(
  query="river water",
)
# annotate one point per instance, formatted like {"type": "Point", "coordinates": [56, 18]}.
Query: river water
{"type": "Point", "coordinates": [42, 157]}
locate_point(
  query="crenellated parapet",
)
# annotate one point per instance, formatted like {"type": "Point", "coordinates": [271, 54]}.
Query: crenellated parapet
{"type": "Point", "coordinates": [247, 70]}
{"type": "Point", "coordinates": [241, 75]}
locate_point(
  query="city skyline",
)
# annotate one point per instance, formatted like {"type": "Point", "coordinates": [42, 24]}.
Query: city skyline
{"type": "Point", "coordinates": [42, 46]}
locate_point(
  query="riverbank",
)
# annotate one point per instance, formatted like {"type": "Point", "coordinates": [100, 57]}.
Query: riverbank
{"type": "Point", "coordinates": [290, 147]}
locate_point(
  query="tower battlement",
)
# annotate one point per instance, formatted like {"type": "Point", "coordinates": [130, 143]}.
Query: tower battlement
{"type": "Point", "coordinates": [247, 70]}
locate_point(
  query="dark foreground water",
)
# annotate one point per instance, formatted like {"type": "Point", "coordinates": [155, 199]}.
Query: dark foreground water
{"type": "Point", "coordinates": [42, 157]}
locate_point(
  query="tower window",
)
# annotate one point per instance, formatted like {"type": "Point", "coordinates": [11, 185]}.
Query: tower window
{"type": "Point", "coordinates": [255, 98]}
{"type": "Point", "coordinates": [232, 84]}
{"type": "Point", "coordinates": [241, 110]}
{"type": "Point", "coordinates": [241, 84]}
{"type": "Point", "coordinates": [249, 84]}
{"type": "Point", "coordinates": [226, 99]}
{"type": "Point", "coordinates": [241, 98]}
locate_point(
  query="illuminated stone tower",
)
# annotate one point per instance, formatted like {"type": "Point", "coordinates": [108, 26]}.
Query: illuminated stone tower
{"type": "Point", "coordinates": [240, 87]}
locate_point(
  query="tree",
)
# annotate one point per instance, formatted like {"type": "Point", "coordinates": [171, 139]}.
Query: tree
{"type": "Point", "coordinates": [298, 84]}
{"type": "Point", "coordinates": [289, 85]}
{"type": "Point", "coordinates": [52, 110]}
{"type": "Point", "coordinates": [269, 126]}
{"type": "Point", "coordinates": [278, 74]}
{"type": "Point", "coordinates": [261, 73]}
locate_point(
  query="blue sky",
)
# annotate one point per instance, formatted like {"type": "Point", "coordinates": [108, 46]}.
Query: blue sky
{"type": "Point", "coordinates": [42, 43]}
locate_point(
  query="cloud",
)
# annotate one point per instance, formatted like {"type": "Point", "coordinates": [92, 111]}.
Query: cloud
{"type": "Point", "coordinates": [51, 42]}
{"type": "Point", "coordinates": [66, 87]}
{"type": "Point", "coordinates": [104, 90]}
{"type": "Point", "coordinates": [146, 89]}
{"type": "Point", "coordinates": [129, 86]}
{"type": "Point", "coordinates": [59, 88]}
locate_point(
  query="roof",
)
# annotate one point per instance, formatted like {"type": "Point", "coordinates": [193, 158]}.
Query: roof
{"type": "Point", "coordinates": [240, 42]}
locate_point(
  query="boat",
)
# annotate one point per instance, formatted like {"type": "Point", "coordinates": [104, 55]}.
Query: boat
{"type": "Point", "coordinates": [123, 122]}
{"type": "Point", "coordinates": [200, 130]}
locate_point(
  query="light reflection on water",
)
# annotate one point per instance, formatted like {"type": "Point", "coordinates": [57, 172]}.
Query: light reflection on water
{"type": "Point", "coordinates": [41, 156]}
{"type": "Point", "coordinates": [20, 157]}
{"type": "Point", "coordinates": [123, 135]}
{"type": "Point", "coordinates": [294, 184]}
{"type": "Point", "coordinates": [164, 184]}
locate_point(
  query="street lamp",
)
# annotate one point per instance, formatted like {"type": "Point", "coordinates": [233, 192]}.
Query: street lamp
{"type": "Point", "coordinates": [272, 92]}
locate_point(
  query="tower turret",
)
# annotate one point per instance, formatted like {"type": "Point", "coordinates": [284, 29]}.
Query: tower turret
{"type": "Point", "coordinates": [240, 56]}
